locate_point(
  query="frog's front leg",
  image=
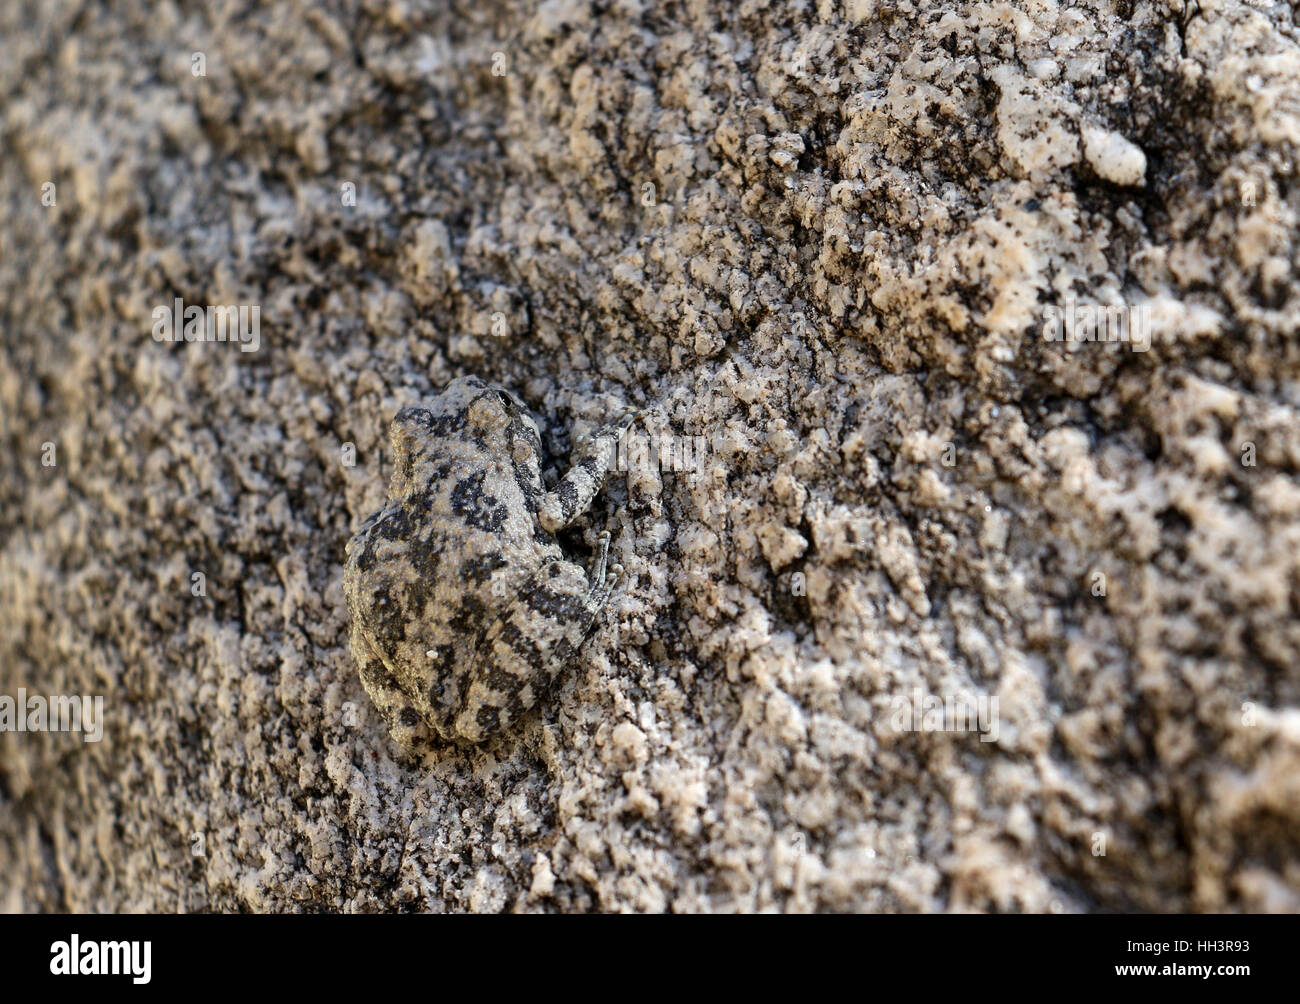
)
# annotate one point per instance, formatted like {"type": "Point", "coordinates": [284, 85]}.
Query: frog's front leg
{"type": "Point", "coordinates": [576, 490]}
{"type": "Point", "coordinates": [536, 636]}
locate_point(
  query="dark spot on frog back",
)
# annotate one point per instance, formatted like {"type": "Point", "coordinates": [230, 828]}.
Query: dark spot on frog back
{"type": "Point", "coordinates": [476, 506]}
{"type": "Point", "coordinates": [397, 523]}
{"type": "Point", "coordinates": [387, 622]}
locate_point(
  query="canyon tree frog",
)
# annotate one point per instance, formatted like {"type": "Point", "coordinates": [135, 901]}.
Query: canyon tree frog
{"type": "Point", "coordinates": [464, 608]}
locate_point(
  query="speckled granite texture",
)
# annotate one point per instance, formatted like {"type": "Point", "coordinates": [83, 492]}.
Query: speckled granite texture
{"type": "Point", "coordinates": [826, 239]}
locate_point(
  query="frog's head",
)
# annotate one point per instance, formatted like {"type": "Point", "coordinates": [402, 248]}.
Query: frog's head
{"type": "Point", "coordinates": [468, 408]}
{"type": "Point", "coordinates": [486, 412]}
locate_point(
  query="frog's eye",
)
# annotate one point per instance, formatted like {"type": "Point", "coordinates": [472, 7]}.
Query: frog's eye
{"type": "Point", "coordinates": [511, 402]}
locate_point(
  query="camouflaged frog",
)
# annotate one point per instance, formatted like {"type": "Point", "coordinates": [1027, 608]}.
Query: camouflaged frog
{"type": "Point", "coordinates": [464, 608]}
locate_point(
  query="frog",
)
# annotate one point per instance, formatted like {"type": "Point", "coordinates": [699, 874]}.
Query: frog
{"type": "Point", "coordinates": [464, 607]}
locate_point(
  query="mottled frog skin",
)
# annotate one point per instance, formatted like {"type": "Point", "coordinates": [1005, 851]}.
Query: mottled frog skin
{"type": "Point", "coordinates": [464, 608]}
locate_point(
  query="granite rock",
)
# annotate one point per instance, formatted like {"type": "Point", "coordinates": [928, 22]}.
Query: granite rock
{"type": "Point", "coordinates": [842, 254]}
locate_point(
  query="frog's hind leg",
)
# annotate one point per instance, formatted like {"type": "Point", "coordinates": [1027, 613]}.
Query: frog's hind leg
{"type": "Point", "coordinates": [576, 490]}
{"type": "Point", "coordinates": [405, 725]}
{"type": "Point", "coordinates": [530, 643]}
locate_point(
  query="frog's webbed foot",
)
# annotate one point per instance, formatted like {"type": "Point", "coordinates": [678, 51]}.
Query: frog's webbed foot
{"type": "Point", "coordinates": [576, 490]}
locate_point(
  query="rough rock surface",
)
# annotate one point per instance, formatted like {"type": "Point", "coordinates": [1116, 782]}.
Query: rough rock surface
{"type": "Point", "coordinates": [822, 236]}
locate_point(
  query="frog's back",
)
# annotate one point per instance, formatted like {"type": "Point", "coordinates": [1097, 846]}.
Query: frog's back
{"type": "Point", "coordinates": [428, 572]}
